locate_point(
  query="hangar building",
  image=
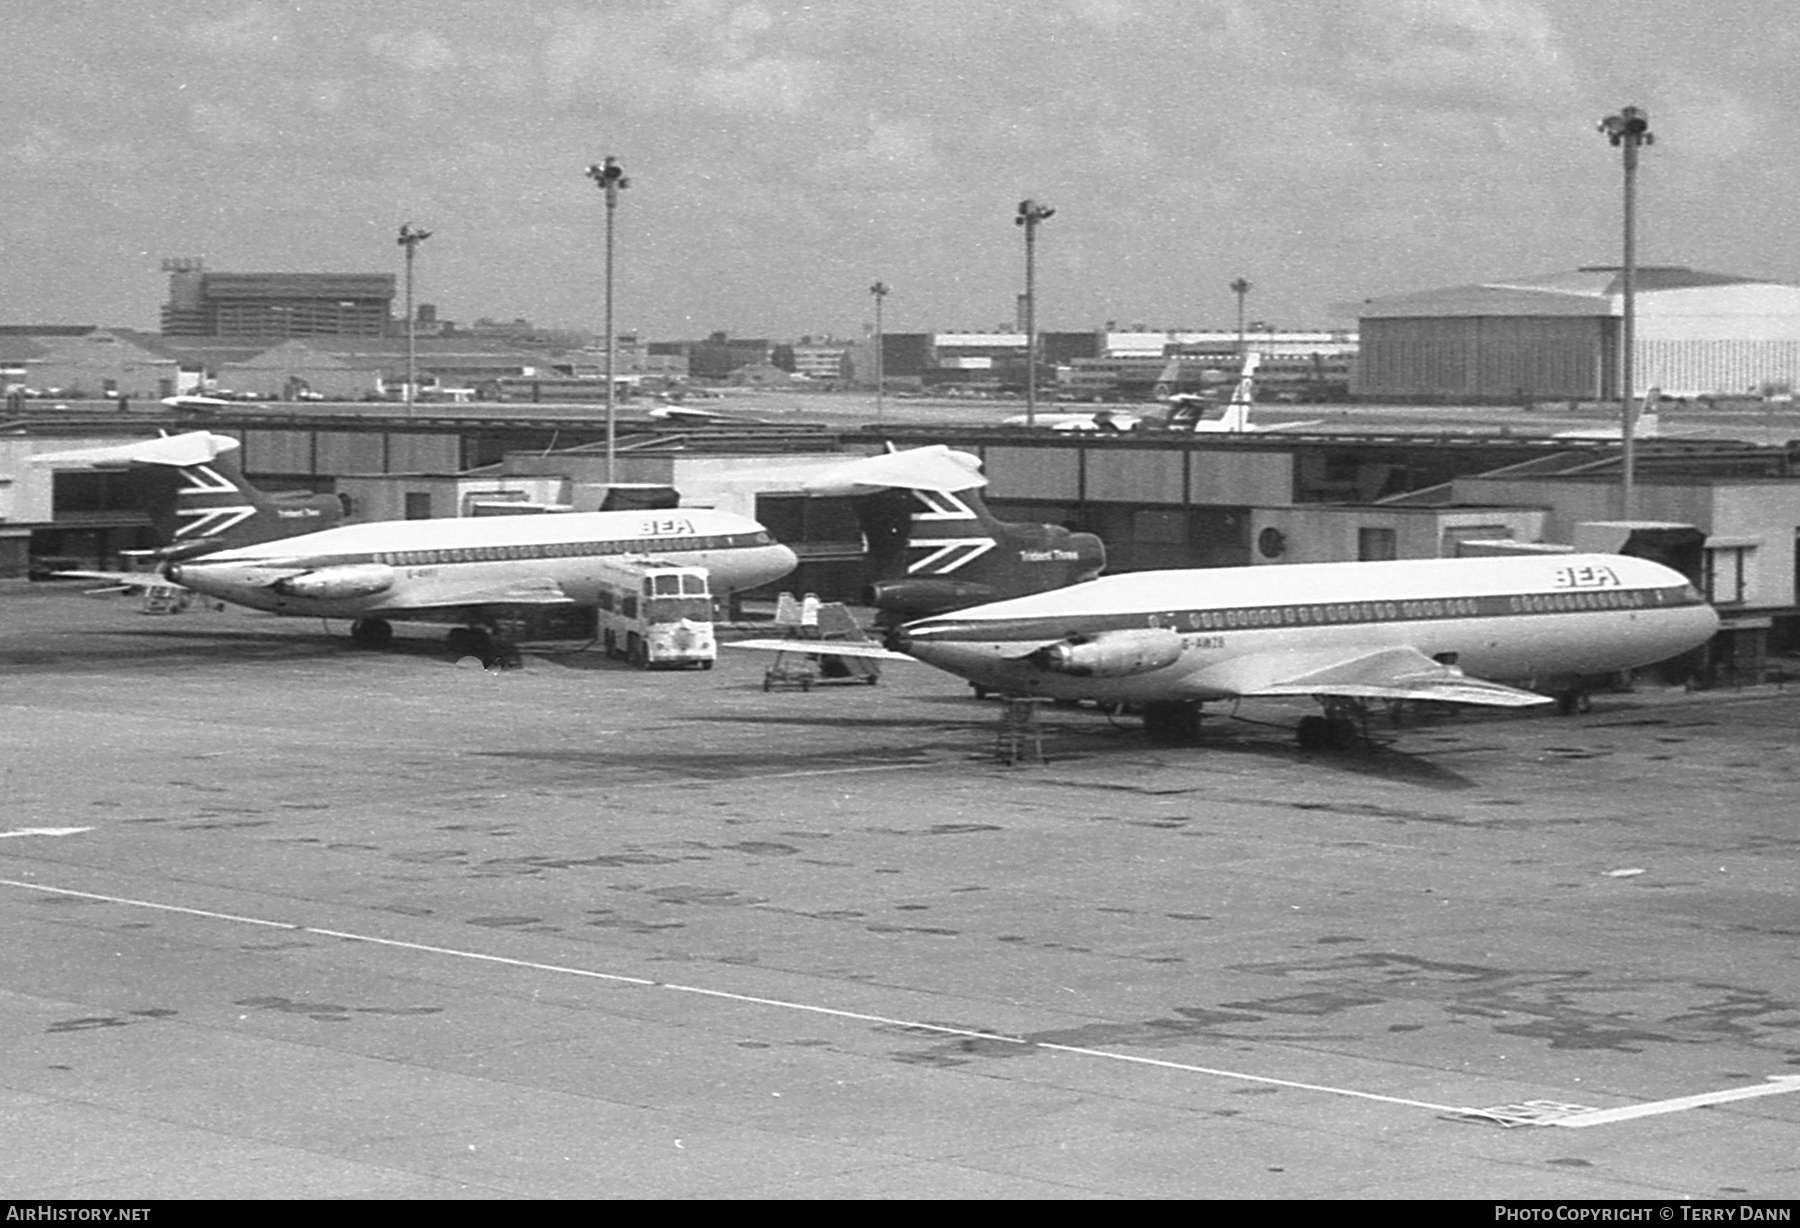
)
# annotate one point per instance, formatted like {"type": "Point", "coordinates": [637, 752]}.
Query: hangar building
{"type": "Point", "coordinates": [1556, 337]}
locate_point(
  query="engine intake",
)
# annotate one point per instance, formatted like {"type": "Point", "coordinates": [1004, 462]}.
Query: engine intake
{"type": "Point", "coordinates": [338, 583]}
{"type": "Point", "coordinates": [1111, 654]}
{"type": "Point", "coordinates": [908, 599]}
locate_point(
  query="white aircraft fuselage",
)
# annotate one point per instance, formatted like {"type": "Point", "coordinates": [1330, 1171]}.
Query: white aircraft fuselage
{"type": "Point", "coordinates": [444, 570]}
{"type": "Point", "coordinates": [1327, 629]}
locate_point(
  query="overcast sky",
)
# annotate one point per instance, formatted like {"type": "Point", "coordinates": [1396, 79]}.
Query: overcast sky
{"type": "Point", "coordinates": [784, 156]}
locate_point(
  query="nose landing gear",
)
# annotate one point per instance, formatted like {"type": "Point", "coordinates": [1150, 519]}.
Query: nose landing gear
{"type": "Point", "coordinates": [482, 644]}
{"type": "Point", "coordinates": [1174, 723]}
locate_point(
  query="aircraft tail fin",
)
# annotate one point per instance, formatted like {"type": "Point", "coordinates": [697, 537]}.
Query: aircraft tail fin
{"type": "Point", "coordinates": [932, 544]}
{"type": "Point", "coordinates": [194, 489]}
{"type": "Point", "coordinates": [1648, 423]}
{"type": "Point", "coordinates": [1243, 397]}
{"type": "Point", "coordinates": [1168, 381]}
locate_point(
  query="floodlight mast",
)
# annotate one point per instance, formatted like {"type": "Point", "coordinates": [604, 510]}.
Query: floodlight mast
{"type": "Point", "coordinates": [1628, 131]}
{"type": "Point", "coordinates": [1030, 214]}
{"type": "Point", "coordinates": [1241, 288]}
{"type": "Point", "coordinates": [880, 291]}
{"type": "Point", "coordinates": [610, 178]}
{"type": "Point", "coordinates": [410, 238]}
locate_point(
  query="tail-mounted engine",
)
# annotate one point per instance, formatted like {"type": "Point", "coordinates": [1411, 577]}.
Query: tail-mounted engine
{"type": "Point", "coordinates": [338, 583]}
{"type": "Point", "coordinates": [1110, 654]}
{"type": "Point", "coordinates": [901, 600]}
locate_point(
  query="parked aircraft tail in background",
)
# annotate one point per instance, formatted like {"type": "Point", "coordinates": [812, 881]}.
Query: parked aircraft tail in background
{"type": "Point", "coordinates": [1646, 425]}
{"type": "Point", "coordinates": [933, 545]}
{"type": "Point", "coordinates": [1185, 409]}
{"type": "Point", "coordinates": [197, 496]}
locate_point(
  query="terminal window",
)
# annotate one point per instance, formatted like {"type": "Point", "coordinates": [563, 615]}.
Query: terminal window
{"type": "Point", "coordinates": [1376, 545]}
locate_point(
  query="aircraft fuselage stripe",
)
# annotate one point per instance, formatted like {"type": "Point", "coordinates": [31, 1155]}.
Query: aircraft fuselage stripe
{"type": "Point", "coordinates": [1310, 614]}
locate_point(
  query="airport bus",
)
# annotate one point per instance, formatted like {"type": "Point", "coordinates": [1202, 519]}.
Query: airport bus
{"type": "Point", "coordinates": [655, 613]}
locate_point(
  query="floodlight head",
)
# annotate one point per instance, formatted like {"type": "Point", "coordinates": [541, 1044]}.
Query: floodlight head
{"type": "Point", "coordinates": [1630, 124]}
{"type": "Point", "coordinates": [608, 176]}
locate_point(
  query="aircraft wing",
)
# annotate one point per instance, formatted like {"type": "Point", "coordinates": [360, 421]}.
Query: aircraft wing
{"type": "Point", "coordinates": [822, 648]}
{"type": "Point", "coordinates": [459, 594]}
{"type": "Point", "coordinates": [1380, 673]}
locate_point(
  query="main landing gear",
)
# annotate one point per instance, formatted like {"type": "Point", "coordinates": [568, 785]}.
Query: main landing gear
{"type": "Point", "coordinates": [1172, 723]}
{"type": "Point", "coordinates": [482, 643]}
{"type": "Point", "coordinates": [1573, 703]}
{"type": "Point", "coordinates": [1343, 726]}
{"type": "Point", "coordinates": [371, 632]}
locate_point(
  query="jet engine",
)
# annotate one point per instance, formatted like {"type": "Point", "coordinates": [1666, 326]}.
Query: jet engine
{"type": "Point", "coordinates": [903, 600]}
{"type": "Point", "coordinates": [338, 583]}
{"type": "Point", "coordinates": [1111, 654]}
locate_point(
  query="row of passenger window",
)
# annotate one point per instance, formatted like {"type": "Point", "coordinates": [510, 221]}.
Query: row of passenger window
{"type": "Point", "coordinates": [1590, 599]}
{"type": "Point", "coordinates": [545, 550]}
{"type": "Point", "coordinates": [1317, 615]}
{"type": "Point", "coordinates": [1395, 611]}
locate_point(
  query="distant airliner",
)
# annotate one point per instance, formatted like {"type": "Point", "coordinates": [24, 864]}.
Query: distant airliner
{"type": "Point", "coordinates": [1184, 414]}
{"type": "Point", "coordinates": [1646, 424]}
{"type": "Point", "coordinates": [1185, 409]}
{"type": "Point", "coordinates": [197, 401]}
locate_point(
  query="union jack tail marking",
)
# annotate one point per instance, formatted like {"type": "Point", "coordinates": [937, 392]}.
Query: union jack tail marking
{"type": "Point", "coordinates": [943, 555]}
{"type": "Point", "coordinates": [204, 482]}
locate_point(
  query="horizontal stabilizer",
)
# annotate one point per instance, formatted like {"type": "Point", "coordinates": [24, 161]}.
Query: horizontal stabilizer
{"type": "Point", "coordinates": [937, 468]}
{"type": "Point", "coordinates": [1383, 673]}
{"type": "Point", "coordinates": [193, 448]}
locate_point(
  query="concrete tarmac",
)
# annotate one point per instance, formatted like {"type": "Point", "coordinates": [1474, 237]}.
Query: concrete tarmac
{"type": "Point", "coordinates": [289, 919]}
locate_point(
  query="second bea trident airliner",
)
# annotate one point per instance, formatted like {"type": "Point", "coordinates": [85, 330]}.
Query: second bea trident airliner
{"type": "Point", "coordinates": [475, 573]}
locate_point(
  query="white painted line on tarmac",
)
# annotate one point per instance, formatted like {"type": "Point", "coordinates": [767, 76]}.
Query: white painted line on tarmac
{"type": "Point", "coordinates": [664, 782]}
{"type": "Point", "coordinates": [847, 771]}
{"type": "Point", "coordinates": [43, 831]}
{"type": "Point", "coordinates": [1777, 1084]}
{"type": "Point", "coordinates": [945, 1030]}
